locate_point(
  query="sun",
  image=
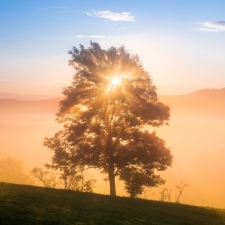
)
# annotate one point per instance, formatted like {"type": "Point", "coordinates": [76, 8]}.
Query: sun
{"type": "Point", "coordinates": [115, 81]}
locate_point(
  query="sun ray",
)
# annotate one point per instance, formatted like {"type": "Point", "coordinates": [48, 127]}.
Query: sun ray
{"type": "Point", "coordinates": [115, 81]}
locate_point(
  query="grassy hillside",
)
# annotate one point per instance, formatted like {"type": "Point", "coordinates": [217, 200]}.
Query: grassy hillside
{"type": "Point", "coordinates": [20, 204]}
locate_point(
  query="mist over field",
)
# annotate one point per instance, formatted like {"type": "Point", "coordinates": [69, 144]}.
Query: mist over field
{"type": "Point", "coordinates": [195, 135]}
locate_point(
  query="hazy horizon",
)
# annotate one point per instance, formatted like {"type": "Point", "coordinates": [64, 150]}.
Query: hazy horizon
{"type": "Point", "coordinates": [195, 136]}
{"type": "Point", "coordinates": [28, 97]}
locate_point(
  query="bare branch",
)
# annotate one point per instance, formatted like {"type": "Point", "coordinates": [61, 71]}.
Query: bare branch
{"type": "Point", "coordinates": [180, 190]}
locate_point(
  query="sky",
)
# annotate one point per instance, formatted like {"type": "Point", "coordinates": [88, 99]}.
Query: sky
{"type": "Point", "coordinates": [180, 43]}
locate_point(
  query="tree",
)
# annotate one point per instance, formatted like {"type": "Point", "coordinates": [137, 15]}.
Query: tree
{"type": "Point", "coordinates": [47, 178]}
{"type": "Point", "coordinates": [165, 194]}
{"type": "Point", "coordinates": [136, 179]}
{"type": "Point", "coordinates": [75, 182]}
{"type": "Point", "coordinates": [81, 182]}
{"type": "Point", "coordinates": [180, 189]}
{"type": "Point", "coordinates": [106, 114]}
{"type": "Point", "coordinates": [11, 171]}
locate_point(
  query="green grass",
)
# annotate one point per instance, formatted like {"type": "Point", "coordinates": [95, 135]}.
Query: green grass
{"type": "Point", "coordinates": [21, 204]}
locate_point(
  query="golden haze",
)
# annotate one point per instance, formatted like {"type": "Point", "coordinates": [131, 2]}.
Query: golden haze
{"type": "Point", "coordinates": [195, 136]}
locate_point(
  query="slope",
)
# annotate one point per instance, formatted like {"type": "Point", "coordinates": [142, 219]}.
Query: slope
{"type": "Point", "coordinates": [20, 204]}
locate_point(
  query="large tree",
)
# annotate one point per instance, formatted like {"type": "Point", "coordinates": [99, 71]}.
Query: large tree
{"type": "Point", "coordinates": [106, 113]}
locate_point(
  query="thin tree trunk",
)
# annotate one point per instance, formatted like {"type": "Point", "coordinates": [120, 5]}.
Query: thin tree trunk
{"type": "Point", "coordinates": [65, 181]}
{"type": "Point", "coordinates": [112, 183]}
{"type": "Point", "coordinates": [109, 150]}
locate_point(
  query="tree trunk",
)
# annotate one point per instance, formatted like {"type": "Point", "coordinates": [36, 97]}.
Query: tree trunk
{"type": "Point", "coordinates": [109, 150]}
{"type": "Point", "coordinates": [112, 183]}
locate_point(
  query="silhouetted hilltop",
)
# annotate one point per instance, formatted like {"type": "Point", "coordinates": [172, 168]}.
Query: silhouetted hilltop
{"type": "Point", "coordinates": [204, 101]}
{"type": "Point", "coordinates": [21, 106]}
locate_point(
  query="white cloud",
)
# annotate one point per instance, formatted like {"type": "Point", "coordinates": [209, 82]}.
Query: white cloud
{"type": "Point", "coordinates": [91, 36]}
{"type": "Point", "coordinates": [220, 25]}
{"type": "Point", "coordinates": [107, 14]}
{"type": "Point", "coordinates": [88, 14]}
{"type": "Point", "coordinates": [97, 36]}
{"type": "Point", "coordinates": [212, 26]}
{"type": "Point", "coordinates": [206, 29]}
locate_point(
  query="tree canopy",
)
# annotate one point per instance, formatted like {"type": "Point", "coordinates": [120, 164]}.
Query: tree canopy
{"type": "Point", "coordinates": [106, 113]}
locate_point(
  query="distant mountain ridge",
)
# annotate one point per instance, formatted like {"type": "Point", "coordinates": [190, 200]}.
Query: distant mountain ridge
{"type": "Point", "coordinates": [206, 100]}
{"type": "Point", "coordinates": [24, 106]}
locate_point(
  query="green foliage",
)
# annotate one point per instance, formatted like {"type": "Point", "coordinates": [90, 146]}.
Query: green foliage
{"type": "Point", "coordinates": [21, 204]}
{"type": "Point", "coordinates": [105, 125]}
{"type": "Point", "coordinates": [11, 171]}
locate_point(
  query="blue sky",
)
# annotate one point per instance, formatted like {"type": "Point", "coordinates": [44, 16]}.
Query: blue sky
{"type": "Point", "coordinates": [181, 43]}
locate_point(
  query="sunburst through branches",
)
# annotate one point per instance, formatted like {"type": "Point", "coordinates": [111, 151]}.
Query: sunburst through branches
{"type": "Point", "coordinates": [119, 100]}
{"type": "Point", "coordinates": [115, 81]}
